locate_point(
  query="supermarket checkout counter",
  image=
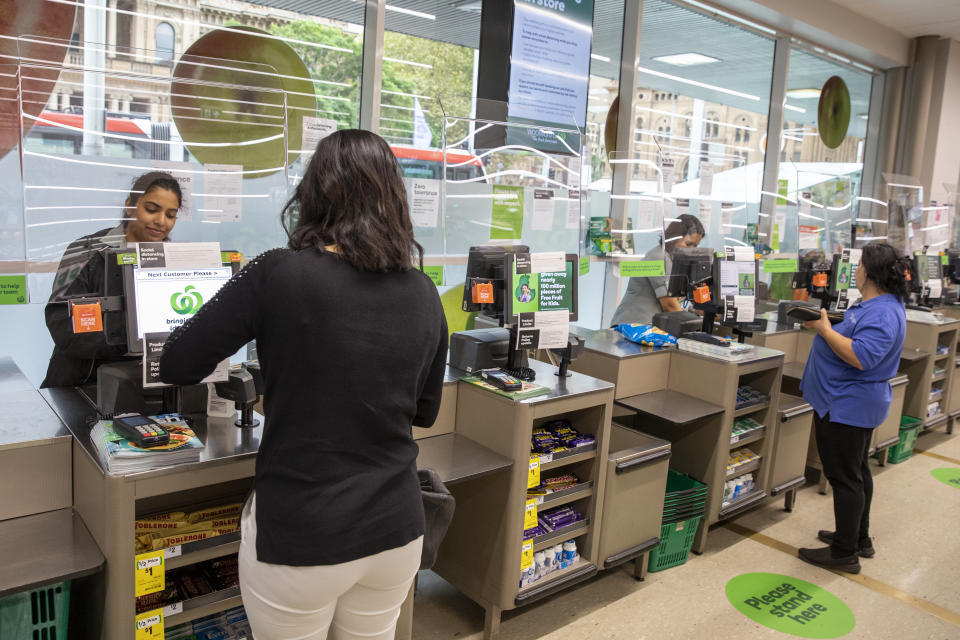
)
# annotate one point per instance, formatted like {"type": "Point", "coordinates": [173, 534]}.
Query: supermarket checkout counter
{"type": "Point", "coordinates": [110, 503]}
{"type": "Point", "coordinates": [42, 540]}
{"type": "Point", "coordinates": [691, 400]}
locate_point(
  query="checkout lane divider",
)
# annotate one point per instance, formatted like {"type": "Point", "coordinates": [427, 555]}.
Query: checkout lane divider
{"type": "Point", "coordinates": [870, 583]}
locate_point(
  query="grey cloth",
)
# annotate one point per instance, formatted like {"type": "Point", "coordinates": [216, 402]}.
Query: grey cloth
{"type": "Point", "coordinates": [438, 507]}
{"type": "Point", "coordinates": [641, 300]}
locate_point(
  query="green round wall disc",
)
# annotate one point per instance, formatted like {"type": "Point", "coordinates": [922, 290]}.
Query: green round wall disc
{"type": "Point", "coordinates": [790, 605]}
{"type": "Point", "coordinates": [833, 112]}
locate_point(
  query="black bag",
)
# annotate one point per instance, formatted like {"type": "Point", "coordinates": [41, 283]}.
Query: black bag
{"type": "Point", "coordinates": [438, 506]}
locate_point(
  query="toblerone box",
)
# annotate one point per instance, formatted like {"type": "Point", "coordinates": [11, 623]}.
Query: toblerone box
{"type": "Point", "coordinates": [222, 511]}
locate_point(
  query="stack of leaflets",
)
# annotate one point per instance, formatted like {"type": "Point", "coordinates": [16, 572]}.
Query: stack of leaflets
{"type": "Point", "coordinates": [732, 350]}
{"type": "Point", "coordinates": [120, 456]}
{"type": "Point", "coordinates": [529, 390]}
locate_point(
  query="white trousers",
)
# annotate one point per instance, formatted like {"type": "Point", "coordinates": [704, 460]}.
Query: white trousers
{"type": "Point", "coordinates": [356, 599]}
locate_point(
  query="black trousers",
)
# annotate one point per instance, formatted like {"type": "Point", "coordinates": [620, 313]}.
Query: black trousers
{"type": "Point", "coordinates": [843, 453]}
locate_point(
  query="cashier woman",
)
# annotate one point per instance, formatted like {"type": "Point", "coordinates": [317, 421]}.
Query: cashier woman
{"type": "Point", "coordinates": [149, 215]}
{"type": "Point", "coordinates": [646, 297]}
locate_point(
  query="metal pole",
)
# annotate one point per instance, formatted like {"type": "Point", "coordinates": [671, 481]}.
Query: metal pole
{"type": "Point", "coordinates": [94, 71]}
{"type": "Point", "coordinates": [775, 116]}
{"type": "Point", "coordinates": [629, 55]}
{"type": "Point", "coordinates": [373, 23]}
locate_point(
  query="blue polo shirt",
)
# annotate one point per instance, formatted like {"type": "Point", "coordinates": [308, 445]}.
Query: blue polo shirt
{"type": "Point", "coordinates": [851, 396]}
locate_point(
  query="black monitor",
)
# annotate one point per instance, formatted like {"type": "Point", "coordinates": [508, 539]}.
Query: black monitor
{"type": "Point", "coordinates": [952, 271]}
{"type": "Point", "coordinates": [692, 267]}
{"type": "Point", "coordinates": [485, 266]}
{"type": "Point", "coordinates": [154, 300]}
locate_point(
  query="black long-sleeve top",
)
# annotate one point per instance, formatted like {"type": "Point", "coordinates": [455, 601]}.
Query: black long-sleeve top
{"type": "Point", "coordinates": [350, 360]}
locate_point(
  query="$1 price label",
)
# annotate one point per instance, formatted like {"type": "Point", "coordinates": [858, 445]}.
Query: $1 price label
{"type": "Point", "coordinates": [149, 625]}
{"type": "Point", "coordinates": [148, 573]}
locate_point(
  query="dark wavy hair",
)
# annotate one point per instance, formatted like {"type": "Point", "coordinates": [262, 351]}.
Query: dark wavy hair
{"type": "Point", "coordinates": [352, 196]}
{"type": "Point", "coordinates": [147, 182]}
{"type": "Point", "coordinates": [887, 268]}
{"type": "Point", "coordinates": [684, 225]}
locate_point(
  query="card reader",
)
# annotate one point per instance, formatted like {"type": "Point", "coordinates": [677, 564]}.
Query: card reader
{"type": "Point", "coordinates": [141, 430]}
{"type": "Point", "coordinates": [501, 380]}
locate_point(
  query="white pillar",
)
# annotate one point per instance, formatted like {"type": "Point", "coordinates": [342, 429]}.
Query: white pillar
{"type": "Point", "coordinates": [112, 28]}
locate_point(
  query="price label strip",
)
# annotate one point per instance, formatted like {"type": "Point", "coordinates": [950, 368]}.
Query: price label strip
{"type": "Point", "coordinates": [149, 625]}
{"type": "Point", "coordinates": [526, 555]}
{"type": "Point", "coordinates": [148, 573]}
{"type": "Point", "coordinates": [533, 475]}
{"type": "Point", "coordinates": [530, 514]}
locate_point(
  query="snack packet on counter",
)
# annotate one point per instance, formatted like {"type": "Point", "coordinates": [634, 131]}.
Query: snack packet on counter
{"type": "Point", "coordinates": [646, 334]}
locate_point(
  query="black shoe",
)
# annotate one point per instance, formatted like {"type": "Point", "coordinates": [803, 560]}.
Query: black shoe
{"type": "Point", "coordinates": [866, 545]}
{"type": "Point", "coordinates": [826, 558]}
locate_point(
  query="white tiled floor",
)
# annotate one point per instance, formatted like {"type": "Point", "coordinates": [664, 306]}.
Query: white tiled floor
{"type": "Point", "coordinates": [916, 528]}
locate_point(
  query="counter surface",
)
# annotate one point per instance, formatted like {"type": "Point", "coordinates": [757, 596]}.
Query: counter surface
{"type": "Point", "coordinates": [573, 385]}
{"type": "Point", "coordinates": [26, 418]}
{"type": "Point", "coordinates": [610, 342]}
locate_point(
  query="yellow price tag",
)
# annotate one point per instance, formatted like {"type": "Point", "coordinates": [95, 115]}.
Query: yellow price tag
{"type": "Point", "coordinates": [530, 514]}
{"type": "Point", "coordinates": [148, 573]}
{"type": "Point", "coordinates": [149, 625]}
{"type": "Point", "coordinates": [526, 555]}
{"type": "Point", "coordinates": [533, 476]}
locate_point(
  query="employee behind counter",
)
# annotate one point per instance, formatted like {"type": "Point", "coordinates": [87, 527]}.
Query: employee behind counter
{"type": "Point", "coordinates": [150, 213]}
{"type": "Point", "coordinates": [646, 297]}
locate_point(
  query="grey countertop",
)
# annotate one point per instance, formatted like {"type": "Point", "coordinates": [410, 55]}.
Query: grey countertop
{"type": "Point", "coordinates": [610, 342]}
{"type": "Point", "coordinates": [26, 419]}
{"type": "Point", "coordinates": [573, 385]}
{"type": "Point", "coordinates": [45, 548]}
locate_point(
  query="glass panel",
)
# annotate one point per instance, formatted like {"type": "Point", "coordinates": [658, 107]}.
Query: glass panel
{"type": "Point", "coordinates": [824, 179]}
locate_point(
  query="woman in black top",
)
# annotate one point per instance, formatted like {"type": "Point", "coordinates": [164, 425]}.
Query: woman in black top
{"type": "Point", "coordinates": [149, 215]}
{"type": "Point", "coordinates": [352, 344]}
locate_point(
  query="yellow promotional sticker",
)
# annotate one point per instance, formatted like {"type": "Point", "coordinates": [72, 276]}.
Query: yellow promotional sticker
{"type": "Point", "coordinates": [530, 514]}
{"type": "Point", "coordinates": [148, 573]}
{"type": "Point", "coordinates": [149, 625]}
{"type": "Point", "coordinates": [533, 476]}
{"type": "Point", "coordinates": [526, 555]}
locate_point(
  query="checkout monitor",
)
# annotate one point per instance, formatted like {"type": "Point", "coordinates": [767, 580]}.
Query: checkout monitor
{"type": "Point", "coordinates": [158, 300]}
{"type": "Point", "coordinates": [547, 291]}
{"type": "Point", "coordinates": [692, 266]}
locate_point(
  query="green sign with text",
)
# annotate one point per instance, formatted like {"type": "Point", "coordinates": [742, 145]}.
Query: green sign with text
{"type": "Point", "coordinates": [13, 289]}
{"type": "Point", "coordinates": [584, 265]}
{"type": "Point", "coordinates": [435, 273]}
{"type": "Point", "coordinates": [948, 476]}
{"type": "Point", "coordinates": [780, 265]}
{"type": "Point", "coordinates": [642, 269]}
{"type": "Point", "coordinates": [790, 605]}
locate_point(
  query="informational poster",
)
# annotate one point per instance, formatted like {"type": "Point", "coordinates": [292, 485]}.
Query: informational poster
{"type": "Point", "coordinates": [222, 188]}
{"type": "Point", "coordinates": [543, 330]}
{"type": "Point", "coordinates": [549, 71]}
{"type": "Point", "coordinates": [706, 178]}
{"type": "Point", "coordinates": [805, 204]}
{"type": "Point", "coordinates": [683, 206]}
{"type": "Point", "coordinates": [666, 167]}
{"type": "Point", "coordinates": [844, 279]}
{"type": "Point", "coordinates": [542, 291]}
{"type": "Point", "coordinates": [179, 255]}
{"type": "Point", "coordinates": [506, 217]}
{"type": "Point", "coordinates": [705, 211]}
{"type": "Point", "coordinates": [315, 130]}
{"type": "Point", "coordinates": [646, 215]}
{"type": "Point", "coordinates": [424, 202]}
{"type": "Point", "coordinates": [738, 284]}
{"type": "Point", "coordinates": [809, 237]}
{"type": "Point", "coordinates": [573, 209]}
{"type": "Point", "coordinates": [184, 173]}
{"type": "Point", "coordinates": [542, 210]}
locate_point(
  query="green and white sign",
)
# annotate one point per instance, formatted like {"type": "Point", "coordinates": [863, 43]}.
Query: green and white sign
{"type": "Point", "coordinates": [13, 289]}
{"type": "Point", "coordinates": [584, 265]}
{"type": "Point", "coordinates": [947, 475]}
{"type": "Point", "coordinates": [790, 605]}
{"type": "Point", "coordinates": [506, 216]}
{"type": "Point", "coordinates": [780, 265]}
{"type": "Point", "coordinates": [642, 269]}
{"type": "Point", "coordinates": [435, 273]}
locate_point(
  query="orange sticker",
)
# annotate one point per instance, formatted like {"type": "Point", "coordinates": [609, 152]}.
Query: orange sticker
{"type": "Point", "coordinates": [701, 294]}
{"type": "Point", "coordinates": [87, 318]}
{"type": "Point", "coordinates": [820, 280]}
{"type": "Point", "coordinates": [483, 293]}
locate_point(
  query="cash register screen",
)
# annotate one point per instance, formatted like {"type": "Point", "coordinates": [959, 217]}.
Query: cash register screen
{"type": "Point", "coordinates": [542, 291]}
{"type": "Point", "coordinates": [167, 298]}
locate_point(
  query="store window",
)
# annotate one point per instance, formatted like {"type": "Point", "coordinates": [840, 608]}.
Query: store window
{"type": "Point", "coordinates": [705, 83]}
{"type": "Point", "coordinates": [824, 179]}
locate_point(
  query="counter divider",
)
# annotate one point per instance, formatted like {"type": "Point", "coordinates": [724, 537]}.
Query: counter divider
{"type": "Point", "coordinates": [576, 492]}
{"type": "Point", "coordinates": [205, 605]}
{"type": "Point", "coordinates": [561, 535]}
{"type": "Point", "coordinates": [194, 552]}
{"type": "Point", "coordinates": [571, 456]}
{"type": "Point", "coordinates": [747, 467]}
{"type": "Point", "coordinates": [751, 436]}
{"type": "Point", "coordinates": [753, 408]}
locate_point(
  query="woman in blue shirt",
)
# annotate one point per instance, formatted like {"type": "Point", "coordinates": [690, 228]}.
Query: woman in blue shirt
{"type": "Point", "coordinates": [846, 381]}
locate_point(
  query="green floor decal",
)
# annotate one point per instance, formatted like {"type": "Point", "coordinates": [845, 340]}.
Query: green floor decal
{"type": "Point", "coordinates": [790, 605]}
{"type": "Point", "coordinates": [947, 475]}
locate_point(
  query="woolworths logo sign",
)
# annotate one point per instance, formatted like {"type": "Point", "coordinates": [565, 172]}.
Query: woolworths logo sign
{"type": "Point", "coordinates": [187, 301]}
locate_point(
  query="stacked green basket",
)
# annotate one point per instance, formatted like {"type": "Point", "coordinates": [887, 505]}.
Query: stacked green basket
{"type": "Point", "coordinates": [38, 614]}
{"type": "Point", "coordinates": [909, 428]}
{"type": "Point", "coordinates": [683, 507]}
